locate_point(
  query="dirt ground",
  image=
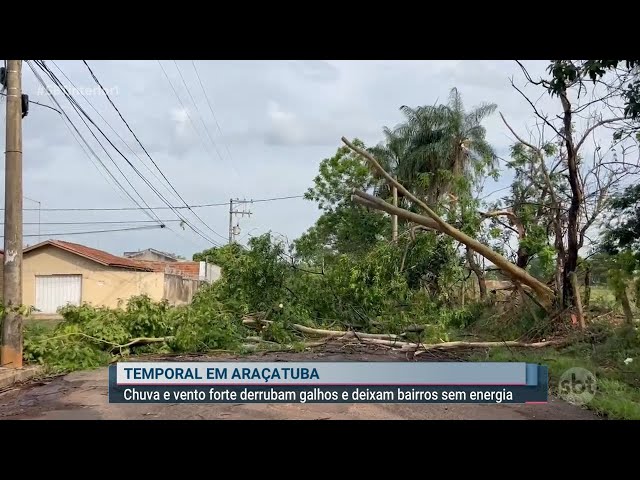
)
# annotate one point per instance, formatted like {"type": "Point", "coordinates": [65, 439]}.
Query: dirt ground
{"type": "Point", "coordinates": [83, 396]}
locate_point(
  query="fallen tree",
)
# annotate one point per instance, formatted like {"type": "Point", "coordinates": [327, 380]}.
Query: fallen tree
{"type": "Point", "coordinates": [395, 342]}
{"type": "Point", "coordinates": [544, 294]}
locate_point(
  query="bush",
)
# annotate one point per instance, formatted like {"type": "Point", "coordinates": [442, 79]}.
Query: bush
{"type": "Point", "coordinates": [90, 337]}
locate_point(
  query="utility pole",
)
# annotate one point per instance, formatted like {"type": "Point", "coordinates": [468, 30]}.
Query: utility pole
{"type": "Point", "coordinates": [230, 221]}
{"type": "Point", "coordinates": [394, 218]}
{"type": "Point", "coordinates": [11, 347]}
{"type": "Point", "coordinates": [235, 229]}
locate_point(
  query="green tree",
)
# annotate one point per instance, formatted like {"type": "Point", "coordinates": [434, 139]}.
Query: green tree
{"type": "Point", "coordinates": [627, 80]}
{"type": "Point", "coordinates": [343, 227]}
{"type": "Point", "coordinates": [220, 256]}
{"type": "Point", "coordinates": [442, 149]}
{"type": "Point", "coordinates": [621, 240]}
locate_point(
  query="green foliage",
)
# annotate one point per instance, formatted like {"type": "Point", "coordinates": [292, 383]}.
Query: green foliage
{"type": "Point", "coordinates": [220, 256]}
{"type": "Point", "coordinates": [623, 223]}
{"type": "Point", "coordinates": [89, 337]}
{"type": "Point", "coordinates": [440, 149]}
{"type": "Point", "coordinates": [344, 227]}
{"type": "Point", "coordinates": [565, 73]}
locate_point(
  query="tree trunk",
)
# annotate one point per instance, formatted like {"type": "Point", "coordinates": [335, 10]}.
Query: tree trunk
{"type": "Point", "coordinates": [523, 258]}
{"type": "Point", "coordinates": [542, 291]}
{"type": "Point", "coordinates": [623, 298]}
{"type": "Point", "coordinates": [559, 270]}
{"type": "Point", "coordinates": [587, 285]}
{"type": "Point", "coordinates": [573, 244]}
{"type": "Point", "coordinates": [482, 282]}
{"type": "Point", "coordinates": [576, 291]}
{"type": "Point", "coordinates": [517, 274]}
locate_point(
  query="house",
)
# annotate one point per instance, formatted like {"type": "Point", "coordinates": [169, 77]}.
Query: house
{"type": "Point", "coordinates": [151, 254]}
{"type": "Point", "coordinates": [56, 273]}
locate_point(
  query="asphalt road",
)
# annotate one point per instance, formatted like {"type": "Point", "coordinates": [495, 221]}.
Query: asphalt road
{"type": "Point", "coordinates": [83, 396]}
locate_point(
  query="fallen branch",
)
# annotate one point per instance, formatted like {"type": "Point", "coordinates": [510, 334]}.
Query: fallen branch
{"type": "Point", "coordinates": [131, 343]}
{"type": "Point", "coordinates": [509, 343]}
{"type": "Point", "coordinates": [396, 342]}
{"type": "Point", "coordinates": [324, 333]}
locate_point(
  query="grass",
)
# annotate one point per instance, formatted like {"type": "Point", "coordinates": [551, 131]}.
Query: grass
{"type": "Point", "coordinates": [618, 384]}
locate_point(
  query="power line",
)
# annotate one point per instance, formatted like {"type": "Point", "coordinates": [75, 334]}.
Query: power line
{"type": "Point", "coordinates": [145, 150]}
{"type": "Point", "coordinates": [67, 121]}
{"type": "Point", "coordinates": [64, 234]}
{"type": "Point", "coordinates": [109, 125]}
{"type": "Point", "coordinates": [186, 110]}
{"type": "Point", "coordinates": [98, 222]}
{"type": "Point", "coordinates": [37, 103]}
{"type": "Point", "coordinates": [46, 87]}
{"type": "Point", "coordinates": [82, 113]}
{"type": "Point", "coordinates": [55, 79]}
{"type": "Point", "coordinates": [122, 209]}
{"type": "Point", "coordinates": [206, 130]}
{"type": "Point", "coordinates": [210, 107]}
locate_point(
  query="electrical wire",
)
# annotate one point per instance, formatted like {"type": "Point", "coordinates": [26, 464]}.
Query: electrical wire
{"type": "Point", "coordinates": [37, 103]}
{"type": "Point", "coordinates": [186, 110]}
{"type": "Point", "coordinates": [206, 130]}
{"type": "Point", "coordinates": [58, 83]}
{"type": "Point", "coordinates": [145, 150]}
{"type": "Point", "coordinates": [113, 129]}
{"type": "Point", "coordinates": [64, 234]}
{"type": "Point", "coordinates": [215, 119]}
{"type": "Point", "coordinates": [67, 121]}
{"type": "Point", "coordinates": [80, 111]}
{"type": "Point", "coordinates": [46, 87]}
{"type": "Point", "coordinates": [122, 209]}
{"type": "Point", "coordinates": [97, 222]}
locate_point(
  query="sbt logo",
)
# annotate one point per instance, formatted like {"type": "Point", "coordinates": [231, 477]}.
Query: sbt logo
{"type": "Point", "coordinates": [577, 386]}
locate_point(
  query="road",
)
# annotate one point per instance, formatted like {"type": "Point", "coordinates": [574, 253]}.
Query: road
{"type": "Point", "coordinates": [83, 396]}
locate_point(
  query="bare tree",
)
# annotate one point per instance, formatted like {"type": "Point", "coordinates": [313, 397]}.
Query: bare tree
{"type": "Point", "coordinates": [584, 109]}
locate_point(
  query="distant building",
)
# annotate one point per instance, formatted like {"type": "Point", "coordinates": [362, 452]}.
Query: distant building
{"type": "Point", "coordinates": [57, 273]}
{"type": "Point", "coordinates": [153, 255]}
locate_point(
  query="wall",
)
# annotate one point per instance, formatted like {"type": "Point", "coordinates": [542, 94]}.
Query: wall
{"type": "Point", "coordinates": [101, 286]}
{"type": "Point", "coordinates": [178, 290]}
{"type": "Point", "coordinates": [209, 272]}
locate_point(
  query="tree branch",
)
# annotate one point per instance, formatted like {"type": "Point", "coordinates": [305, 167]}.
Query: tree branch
{"type": "Point", "coordinates": [593, 127]}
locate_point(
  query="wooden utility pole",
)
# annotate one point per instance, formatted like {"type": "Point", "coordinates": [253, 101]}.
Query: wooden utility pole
{"type": "Point", "coordinates": [394, 218]}
{"type": "Point", "coordinates": [11, 348]}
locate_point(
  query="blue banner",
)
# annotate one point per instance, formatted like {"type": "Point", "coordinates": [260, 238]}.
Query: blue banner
{"type": "Point", "coordinates": [327, 382]}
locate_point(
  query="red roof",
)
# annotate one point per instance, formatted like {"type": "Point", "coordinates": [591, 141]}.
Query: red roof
{"type": "Point", "coordinates": [94, 254]}
{"type": "Point", "coordinates": [184, 269]}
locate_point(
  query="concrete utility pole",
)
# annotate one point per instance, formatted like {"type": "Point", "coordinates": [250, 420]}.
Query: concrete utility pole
{"type": "Point", "coordinates": [230, 221]}
{"type": "Point", "coordinates": [235, 230]}
{"type": "Point", "coordinates": [394, 218]}
{"type": "Point", "coordinates": [11, 347]}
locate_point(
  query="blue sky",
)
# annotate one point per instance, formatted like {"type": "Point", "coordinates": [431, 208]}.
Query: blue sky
{"type": "Point", "coordinates": [272, 124]}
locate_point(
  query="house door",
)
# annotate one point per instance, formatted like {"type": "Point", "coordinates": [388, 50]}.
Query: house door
{"type": "Point", "coordinates": [55, 291]}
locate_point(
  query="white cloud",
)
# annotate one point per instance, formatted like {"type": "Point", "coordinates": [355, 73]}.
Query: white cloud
{"type": "Point", "coordinates": [277, 119]}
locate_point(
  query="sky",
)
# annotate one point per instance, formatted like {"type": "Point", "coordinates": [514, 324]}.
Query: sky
{"type": "Point", "coordinates": [260, 131]}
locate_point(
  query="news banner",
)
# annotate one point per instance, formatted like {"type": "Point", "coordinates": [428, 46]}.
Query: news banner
{"type": "Point", "coordinates": [327, 382]}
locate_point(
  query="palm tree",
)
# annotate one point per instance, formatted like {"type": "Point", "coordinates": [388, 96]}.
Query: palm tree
{"type": "Point", "coordinates": [439, 148]}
